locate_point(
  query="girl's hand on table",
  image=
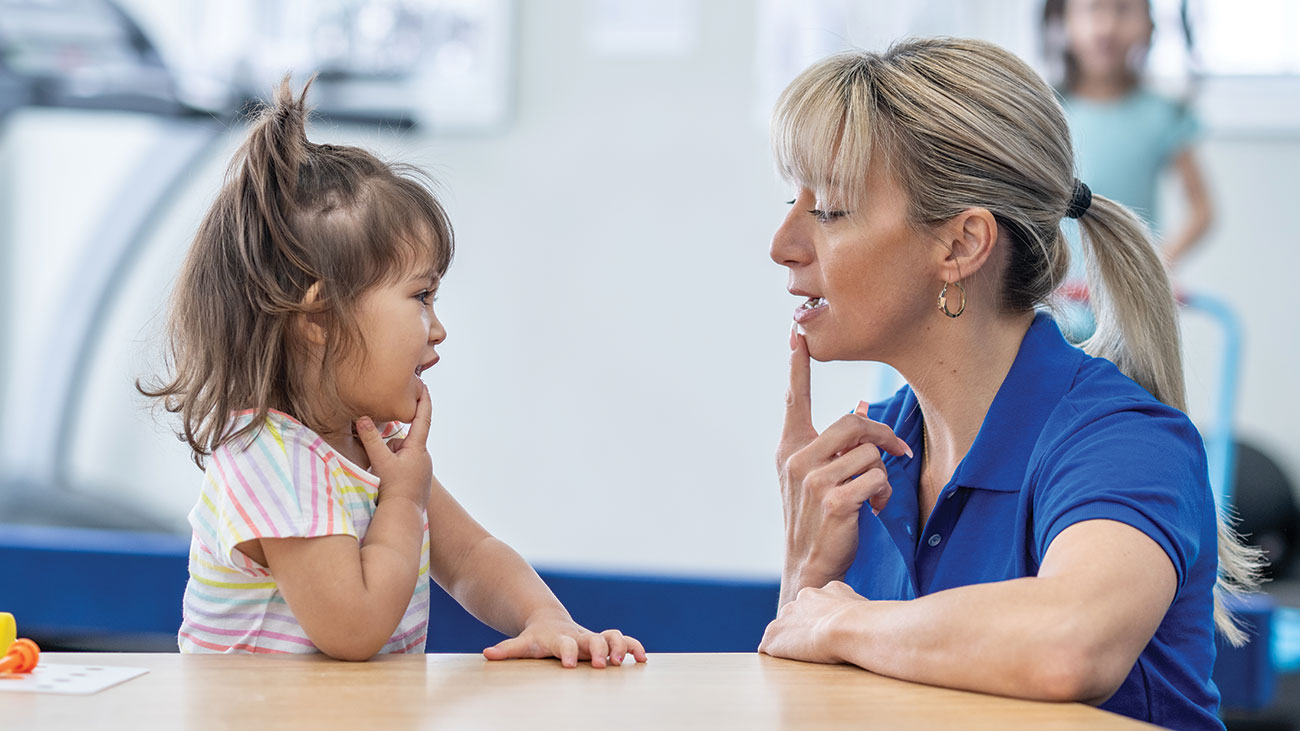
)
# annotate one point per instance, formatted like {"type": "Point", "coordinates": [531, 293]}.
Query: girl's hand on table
{"type": "Point", "coordinates": [805, 629]}
{"type": "Point", "coordinates": [556, 635]}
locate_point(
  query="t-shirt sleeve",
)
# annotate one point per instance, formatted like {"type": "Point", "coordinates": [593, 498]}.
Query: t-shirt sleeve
{"type": "Point", "coordinates": [1183, 130]}
{"type": "Point", "coordinates": [1143, 467]}
{"type": "Point", "coordinates": [278, 486]}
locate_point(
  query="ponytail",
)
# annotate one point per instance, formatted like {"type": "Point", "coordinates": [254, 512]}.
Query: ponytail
{"type": "Point", "coordinates": [1137, 323]}
{"type": "Point", "coordinates": [267, 179]}
{"type": "Point", "coordinates": [1137, 329]}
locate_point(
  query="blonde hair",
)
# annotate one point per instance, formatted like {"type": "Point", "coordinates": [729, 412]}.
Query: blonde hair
{"type": "Point", "coordinates": [293, 215]}
{"type": "Point", "coordinates": [961, 124]}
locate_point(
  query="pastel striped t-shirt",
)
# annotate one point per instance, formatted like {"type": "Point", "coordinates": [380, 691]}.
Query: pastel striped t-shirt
{"type": "Point", "coordinates": [287, 482]}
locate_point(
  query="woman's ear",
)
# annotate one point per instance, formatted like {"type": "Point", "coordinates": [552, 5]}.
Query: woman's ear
{"type": "Point", "coordinates": [971, 236]}
{"type": "Point", "coordinates": [311, 322]}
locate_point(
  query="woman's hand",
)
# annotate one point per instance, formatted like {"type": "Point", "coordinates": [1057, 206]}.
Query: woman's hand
{"type": "Point", "coordinates": [804, 629]}
{"type": "Point", "coordinates": [403, 466]}
{"type": "Point", "coordinates": [825, 479]}
{"type": "Point", "coordinates": [555, 634]}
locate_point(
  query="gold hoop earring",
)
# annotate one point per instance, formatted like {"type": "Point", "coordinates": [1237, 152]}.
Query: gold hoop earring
{"type": "Point", "coordinates": [943, 300]}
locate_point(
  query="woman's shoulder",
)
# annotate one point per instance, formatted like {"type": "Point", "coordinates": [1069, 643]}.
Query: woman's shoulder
{"type": "Point", "coordinates": [1103, 406]}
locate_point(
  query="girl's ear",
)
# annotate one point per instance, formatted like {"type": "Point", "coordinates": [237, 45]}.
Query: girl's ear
{"type": "Point", "coordinates": [311, 321]}
{"type": "Point", "coordinates": [970, 236]}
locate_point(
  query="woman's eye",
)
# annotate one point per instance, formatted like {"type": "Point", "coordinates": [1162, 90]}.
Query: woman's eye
{"type": "Point", "coordinates": [827, 216]}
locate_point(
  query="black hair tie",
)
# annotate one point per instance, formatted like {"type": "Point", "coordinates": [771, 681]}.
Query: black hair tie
{"type": "Point", "coordinates": [1080, 201]}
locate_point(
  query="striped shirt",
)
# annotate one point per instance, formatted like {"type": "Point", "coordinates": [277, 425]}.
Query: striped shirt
{"type": "Point", "coordinates": [285, 483]}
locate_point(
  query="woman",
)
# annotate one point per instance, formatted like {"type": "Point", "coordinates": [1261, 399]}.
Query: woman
{"type": "Point", "coordinates": [1054, 536]}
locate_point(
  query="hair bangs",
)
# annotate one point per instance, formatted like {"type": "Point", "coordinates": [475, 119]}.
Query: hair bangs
{"type": "Point", "coordinates": [822, 130]}
{"type": "Point", "coordinates": [415, 232]}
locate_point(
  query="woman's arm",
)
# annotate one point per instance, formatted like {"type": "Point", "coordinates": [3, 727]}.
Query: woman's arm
{"type": "Point", "coordinates": [1072, 633]}
{"type": "Point", "coordinates": [1199, 209]}
{"type": "Point", "coordinates": [496, 585]}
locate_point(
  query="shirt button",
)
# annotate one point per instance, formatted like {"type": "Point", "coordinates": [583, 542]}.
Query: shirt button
{"type": "Point", "coordinates": [909, 529]}
{"type": "Point", "coordinates": [934, 540]}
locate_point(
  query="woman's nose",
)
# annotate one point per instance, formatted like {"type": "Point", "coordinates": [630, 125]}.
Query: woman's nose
{"type": "Point", "coordinates": [790, 244]}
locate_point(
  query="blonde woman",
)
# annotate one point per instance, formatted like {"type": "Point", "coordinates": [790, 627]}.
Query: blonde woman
{"type": "Point", "coordinates": [1023, 517]}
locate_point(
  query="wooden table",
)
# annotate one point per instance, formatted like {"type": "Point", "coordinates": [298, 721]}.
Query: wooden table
{"type": "Point", "coordinates": [740, 691]}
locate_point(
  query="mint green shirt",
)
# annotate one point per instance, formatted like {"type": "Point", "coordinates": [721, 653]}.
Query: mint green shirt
{"type": "Point", "coordinates": [1121, 147]}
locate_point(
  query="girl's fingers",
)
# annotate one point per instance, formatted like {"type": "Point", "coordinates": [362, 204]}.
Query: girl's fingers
{"type": "Point", "coordinates": [419, 433]}
{"type": "Point", "coordinates": [511, 648]}
{"type": "Point", "coordinates": [370, 439]}
{"type": "Point", "coordinates": [634, 646]}
{"type": "Point", "coordinates": [599, 650]}
{"type": "Point", "coordinates": [617, 645]}
{"type": "Point", "coordinates": [567, 650]}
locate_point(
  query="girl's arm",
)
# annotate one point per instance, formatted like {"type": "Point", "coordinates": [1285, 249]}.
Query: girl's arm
{"type": "Point", "coordinates": [1199, 210]}
{"type": "Point", "coordinates": [496, 585]}
{"type": "Point", "coordinates": [349, 597]}
{"type": "Point", "coordinates": [1072, 633]}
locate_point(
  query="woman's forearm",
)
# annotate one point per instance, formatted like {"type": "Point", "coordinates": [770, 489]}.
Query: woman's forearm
{"type": "Point", "coordinates": [1025, 638]}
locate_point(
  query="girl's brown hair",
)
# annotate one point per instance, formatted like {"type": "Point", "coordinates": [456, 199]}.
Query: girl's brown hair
{"type": "Point", "coordinates": [963, 124]}
{"type": "Point", "coordinates": [299, 230]}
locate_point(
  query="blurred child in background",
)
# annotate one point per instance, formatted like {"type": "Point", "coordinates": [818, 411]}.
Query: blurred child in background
{"type": "Point", "coordinates": [1126, 135]}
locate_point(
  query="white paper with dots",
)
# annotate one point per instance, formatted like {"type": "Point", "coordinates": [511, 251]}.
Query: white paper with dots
{"type": "Point", "coordinates": [68, 679]}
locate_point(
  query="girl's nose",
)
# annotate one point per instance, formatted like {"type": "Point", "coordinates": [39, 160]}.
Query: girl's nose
{"type": "Point", "coordinates": [437, 333]}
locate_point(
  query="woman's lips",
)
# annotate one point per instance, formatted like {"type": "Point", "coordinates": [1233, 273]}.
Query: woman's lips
{"type": "Point", "coordinates": [810, 309]}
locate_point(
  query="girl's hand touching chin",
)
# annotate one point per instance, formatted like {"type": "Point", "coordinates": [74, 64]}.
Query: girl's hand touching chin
{"type": "Point", "coordinates": [555, 634]}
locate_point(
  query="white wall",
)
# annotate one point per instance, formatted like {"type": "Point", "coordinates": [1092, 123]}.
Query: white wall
{"type": "Point", "coordinates": [1246, 261]}
{"type": "Point", "coordinates": [610, 392]}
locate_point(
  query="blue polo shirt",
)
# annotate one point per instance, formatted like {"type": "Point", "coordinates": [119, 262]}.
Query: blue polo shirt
{"type": "Point", "coordinates": [1068, 438]}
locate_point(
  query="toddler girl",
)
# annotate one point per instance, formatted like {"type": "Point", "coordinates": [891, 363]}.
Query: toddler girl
{"type": "Point", "coordinates": [300, 327]}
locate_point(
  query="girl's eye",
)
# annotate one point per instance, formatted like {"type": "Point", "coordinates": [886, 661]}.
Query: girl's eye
{"type": "Point", "coordinates": [827, 216]}
{"type": "Point", "coordinates": [426, 297]}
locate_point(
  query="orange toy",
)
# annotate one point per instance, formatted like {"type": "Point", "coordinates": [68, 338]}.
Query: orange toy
{"type": "Point", "coordinates": [22, 657]}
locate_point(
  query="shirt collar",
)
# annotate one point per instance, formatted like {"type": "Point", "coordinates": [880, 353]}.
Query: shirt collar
{"type": "Point", "coordinates": [1043, 371]}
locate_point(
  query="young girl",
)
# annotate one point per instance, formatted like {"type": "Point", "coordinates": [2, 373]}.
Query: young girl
{"type": "Point", "coordinates": [1125, 135]}
{"type": "Point", "coordinates": [301, 324]}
